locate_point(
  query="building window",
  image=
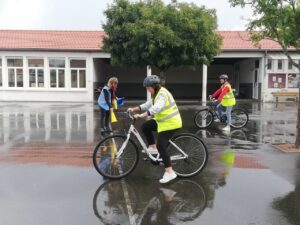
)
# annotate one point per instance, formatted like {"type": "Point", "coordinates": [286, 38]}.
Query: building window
{"type": "Point", "coordinates": [78, 73]}
{"type": "Point", "coordinates": [269, 66]}
{"type": "Point", "coordinates": [0, 72]}
{"type": "Point", "coordinates": [298, 64]}
{"type": "Point", "coordinates": [290, 66]}
{"type": "Point", "coordinates": [279, 64]}
{"type": "Point", "coordinates": [57, 73]}
{"type": "Point", "coordinates": [256, 64]}
{"type": "Point", "coordinates": [36, 72]}
{"type": "Point", "coordinates": [15, 72]}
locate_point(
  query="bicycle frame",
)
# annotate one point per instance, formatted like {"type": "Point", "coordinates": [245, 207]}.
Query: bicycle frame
{"type": "Point", "coordinates": [212, 108]}
{"type": "Point", "coordinates": [133, 130]}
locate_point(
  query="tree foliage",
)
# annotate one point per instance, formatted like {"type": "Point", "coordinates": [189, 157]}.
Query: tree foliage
{"type": "Point", "coordinates": [277, 20]}
{"type": "Point", "coordinates": [150, 32]}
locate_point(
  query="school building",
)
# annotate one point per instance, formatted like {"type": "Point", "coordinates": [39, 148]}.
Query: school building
{"type": "Point", "coordinates": [41, 65]}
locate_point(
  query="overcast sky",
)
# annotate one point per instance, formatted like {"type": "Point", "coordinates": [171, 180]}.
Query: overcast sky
{"type": "Point", "coordinates": [88, 14]}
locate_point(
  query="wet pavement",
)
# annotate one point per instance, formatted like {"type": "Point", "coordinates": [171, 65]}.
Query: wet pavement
{"type": "Point", "coordinates": [47, 176]}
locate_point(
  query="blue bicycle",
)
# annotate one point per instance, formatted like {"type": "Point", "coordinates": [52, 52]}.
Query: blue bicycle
{"type": "Point", "coordinates": [205, 117]}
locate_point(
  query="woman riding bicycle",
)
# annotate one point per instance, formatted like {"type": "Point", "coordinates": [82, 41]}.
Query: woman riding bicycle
{"type": "Point", "coordinates": [166, 121]}
{"type": "Point", "coordinates": [226, 99]}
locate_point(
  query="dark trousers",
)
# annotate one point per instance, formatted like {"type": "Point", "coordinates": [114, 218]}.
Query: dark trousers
{"type": "Point", "coordinates": [104, 118]}
{"type": "Point", "coordinates": [162, 140]}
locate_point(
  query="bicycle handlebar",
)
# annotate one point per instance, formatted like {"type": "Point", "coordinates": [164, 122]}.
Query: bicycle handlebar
{"type": "Point", "coordinates": [213, 100]}
{"type": "Point", "coordinates": [130, 115]}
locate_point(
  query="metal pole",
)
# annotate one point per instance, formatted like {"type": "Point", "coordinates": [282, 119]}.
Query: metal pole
{"type": "Point", "coordinates": [149, 71]}
{"type": "Point", "coordinates": [204, 84]}
{"type": "Point", "coordinates": [297, 143]}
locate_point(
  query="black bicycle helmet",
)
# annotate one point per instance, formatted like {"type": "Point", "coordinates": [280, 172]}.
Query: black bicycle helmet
{"type": "Point", "coordinates": [224, 76]}
{"type": "Point", "coordinates": [150, 81]}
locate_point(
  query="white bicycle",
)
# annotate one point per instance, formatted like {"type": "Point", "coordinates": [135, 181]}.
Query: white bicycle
{"type": "Point", "coordinates": [116, 156]}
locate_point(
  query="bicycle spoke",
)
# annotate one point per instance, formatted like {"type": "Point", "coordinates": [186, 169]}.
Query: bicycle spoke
{"type": "Point", "coordinates": [106, 161]}
{"type": "Point", "coordinates": [203, 118]}
{"type": "Point", "coordinates": [196, 151]}
{"type": "Point", "coordinates": [239, 118]}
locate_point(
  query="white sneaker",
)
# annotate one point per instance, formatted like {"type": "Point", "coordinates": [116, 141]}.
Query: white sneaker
{"type": "Point", "coordinates": [217, 120]}
{"type": "Point", "coordinates": [151, 150]}
{"type": "Point", "coordinates": [227, 128]}
{"type": "Point", "coordinates": [167, 177]}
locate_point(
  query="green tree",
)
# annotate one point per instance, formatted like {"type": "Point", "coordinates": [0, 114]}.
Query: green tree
{"type": "Point", "coordinates": [150, 32]}
{"type": "Point", "coordinates": [277, 20]}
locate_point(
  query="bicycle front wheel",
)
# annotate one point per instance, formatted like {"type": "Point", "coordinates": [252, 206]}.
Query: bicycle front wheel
{"type": "Point", "coordinates": [195, 150]}
{"type": "Point", "coordinates": [106, 161]}
{"type": "Point", "coordinates": [203, 118]}
{"type": "Point", "coordinates": [239, 118]}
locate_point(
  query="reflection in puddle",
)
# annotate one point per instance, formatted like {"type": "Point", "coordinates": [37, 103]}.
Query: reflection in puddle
{"type": "Point", "coordinates": [116, 202]}
{"type": "Point", "coordinates": [46, 125]}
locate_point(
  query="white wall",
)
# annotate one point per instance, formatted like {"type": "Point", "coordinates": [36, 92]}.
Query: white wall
{"type": "Point", "coordinates": [46, 93]}
{"type": "Point", "coordinates": [268, 97]}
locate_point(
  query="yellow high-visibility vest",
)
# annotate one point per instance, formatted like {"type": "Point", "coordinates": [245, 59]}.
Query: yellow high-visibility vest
{"type": "Point", "coordinates": [169, 117]}
{"type": "Point", "coordinates": [228, 99]}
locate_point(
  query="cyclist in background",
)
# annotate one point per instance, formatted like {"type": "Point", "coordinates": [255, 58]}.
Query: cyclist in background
{"type": "Point", "coordinates": [226, 99]}
{"type": "Point", "coordinates": [166, 121]}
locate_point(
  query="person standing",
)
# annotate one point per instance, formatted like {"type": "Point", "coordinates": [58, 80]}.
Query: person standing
{"type": "Point", "coordinates": [105, 102]}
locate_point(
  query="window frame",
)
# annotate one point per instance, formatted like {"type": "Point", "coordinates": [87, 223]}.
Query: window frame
{"type": "Point", "coordinates": [269, 63]}
{"type": "Point", "coordinates": [36, 69]}
{"type": "Point", "coordinates": [1, 72]}
{"type": "Point", "coordinates": [78, 70]}
{"type": "Point", "coordinates": [290, 65]}
{"type": "Point", "coordinates": [57, 70]}
{"type": "Point", "coordinates": [282, 64]}
{"type": "Point", "coordinates": [15, 69]}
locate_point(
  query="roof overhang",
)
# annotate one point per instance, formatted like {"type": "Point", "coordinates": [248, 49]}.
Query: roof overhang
{"type": "Point", "coordinates": [282, 56]}
{"type": "Point", "coordinates": [50, 50]}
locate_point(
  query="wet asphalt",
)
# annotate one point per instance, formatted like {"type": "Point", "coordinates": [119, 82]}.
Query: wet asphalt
{"type": "Point", "coordinates": [47, 176]}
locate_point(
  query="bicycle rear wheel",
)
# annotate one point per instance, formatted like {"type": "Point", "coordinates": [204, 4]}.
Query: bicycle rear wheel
{"type": "Point", "coordinates": [196, 151]}
{"type": "Point", "coordinates": [239, 118]}
{"type": "Point", "coordinates": [107, 163]}
{"type": "Point", "coordinates": [203, 118]}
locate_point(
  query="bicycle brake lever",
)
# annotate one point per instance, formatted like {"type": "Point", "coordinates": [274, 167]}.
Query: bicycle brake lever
{"type": "Point", "coordinates": [131, 115]}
